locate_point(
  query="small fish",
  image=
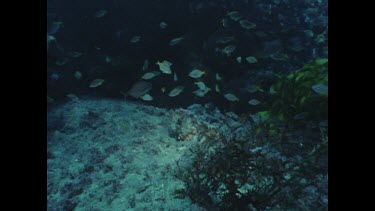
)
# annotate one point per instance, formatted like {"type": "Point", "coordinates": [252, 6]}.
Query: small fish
{"type": "Point", "coordinates": [256, 118]}
{"type": "Point", "coordinates": [61, 61]}
{"type": "Point", "coordinates": [74, 54]}
{"type": "Point", "coordinates": [77, 75]}
{"type": "Point", "coordinates": [309, 33]}
{"type": "Point", "coordinates": [165, 66]}
{"type": "Point", "coordinates": [310, 153]}
{"type": "Point", "coordinates": [231, 97]}
{"type": "Point", "coordinates": [272, 90]}
{"type": "Point", "coordinates": [232, 115]}
{"type": "Point", "coordinates": [145, 65]}
{"type": "Point", "coordinates": [279, 57]}
{"type": "Point", "coordinates": [175, 77]}
{"type": "Point", "coordinates": [135, 39]}
{"type": "Point", "coordinates": [108, 59]}
{"type": "Point", "coordinates": [96, 83]}
{"type": "Point", "coordinates": [225, 22]}
{"type": "Point", "coordinates": [147, 97]}
{"type": "Point", "coordinates": [234, 15]}
{"type": "Point", "coordinates": [176, 91]}
{"type": "Point", "coordinates": [50, 38]}
{"type": "Point", "coordinates": [254, 102]}
{"type": "Point", "coordinates": [196, 73]}
{"type": "Point", "coordinates": [256, 149]}
{"type": "Point", "coordinates": [163, 89]}
{"type": "Point", "coordinates": [224, 39]}
{"type": "Point", "coordinates": [72, 97]}
{"type": "Point", "coordinates": [201, 92]}
{"type": "Point", "coordinates": [260, 34]}
{"type": "Point", "coordinates": [247, 24]}
{"type": "Point", "coordinates": [217, 89]}
{"type": "Point", "coordinates": [200, 85]}
{"type": "Point", "coordinates": [251, 59]}
{"type": "Point", "coordinates": [323, 123]}
{"type": "Point", "coordinates": [300, 116]}
{"type": "Point", "coordinates": [54, 76]}
{"type": "Point", "coordinates": [228, 50]}
{"type": "Point", "coordinates": [297, 48]}
{"type": "Point", "coordinates": [239, 59]}
{"type": "Point", "coordinates": [150, 75]}
{"type": "Point", "coordinates": [54, 28]}
{"type": "Point", "coordinates": [175, 41]}
{"type": "Point", "coordinates": [58, 22]}
{"type": "Point", "coordinates": [320, 38]}
{"type": "Point", "coordinates": [163, 25]}
{"type": "Point", "coordinates": [320, 89]}
{"type": "Point", "coordinates": [49, 99]}
{"type": "Point", "coordinates": [217, 76]}
{"type": "Point", "coordinates": [100, 13]}
{"type": "Point", "coordinates": [260, 89]}
{"type": "Point", "coordinates": [321, 61]}
{"type": "Point", "coordinates": [139, 89]}
{"type": "Point", "coordinates": [251, 88]}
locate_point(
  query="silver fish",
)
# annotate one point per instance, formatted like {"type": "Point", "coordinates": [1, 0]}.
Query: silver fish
{"type": "Point", "coordinates": [320, 89]}
{"type": "Point", "coordinates": [139, 89]}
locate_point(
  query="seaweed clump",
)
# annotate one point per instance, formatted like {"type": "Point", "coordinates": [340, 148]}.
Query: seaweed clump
{"type": "Point", "coordinates": [280, 164]}
{"type": "Point", "coordinates": [237, 175]}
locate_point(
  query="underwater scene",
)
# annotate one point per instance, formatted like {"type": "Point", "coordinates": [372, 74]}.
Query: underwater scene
{"type": "Point", "coordinates": [193, 105]}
